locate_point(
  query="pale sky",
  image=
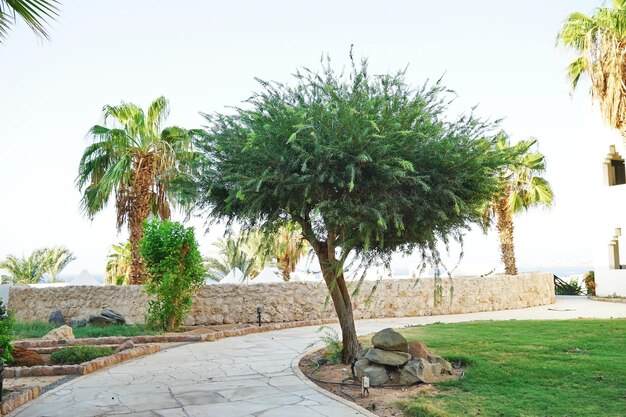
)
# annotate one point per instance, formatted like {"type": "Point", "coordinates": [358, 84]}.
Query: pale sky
{"type": "Point", "coordinates": [203, 57]}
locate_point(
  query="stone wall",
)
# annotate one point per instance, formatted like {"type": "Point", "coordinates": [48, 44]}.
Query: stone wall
{"type": "Point", "coordinates": [297, 301]}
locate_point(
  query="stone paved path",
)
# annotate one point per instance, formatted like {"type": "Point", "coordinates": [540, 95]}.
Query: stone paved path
{"type": "Point", "coordinates": [244, 376]}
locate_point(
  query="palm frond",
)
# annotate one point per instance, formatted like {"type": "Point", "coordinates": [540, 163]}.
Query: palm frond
{"type": "Point", "coordinates": [35, 13]}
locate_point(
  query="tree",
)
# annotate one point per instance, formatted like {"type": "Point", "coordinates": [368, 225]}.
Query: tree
{"type": "Point", "coordinates": [56, 259]}
{"type": "Point", "coordinates": [600, 43]}
{"type": "Point", "coordinates": [521, 189]}
{"type": "Point", "coordinates": [117, 270]}
{"type": "Point", "coordinates": [288, 248]}
{"type": "Point", "coordinates": [138, 161]}
{"type": "Point", "coordinates": [33, 12]}
{"type": "Point", "coordinates": [175, 269]}
{"type": "Point", "coordinates": [25, 270]}
{"type": "Point", "coordinates": [232, 254]}
{"type": "Point", "coordinates": [364, 164]}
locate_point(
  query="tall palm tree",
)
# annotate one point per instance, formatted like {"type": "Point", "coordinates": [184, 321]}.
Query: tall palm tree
{"type": "Point", "coordinates": [288, 248]}
{"type": "Point", "coordinates": [56, 259]}
{"type": "Point", "coordinates": [522, 188]}
{"type": "Point", "coordinates": [34, 13]}
{"type": "Point", "coordinates": [117, 271]}
{"type": "Point", "coordinates": [600, 43]}
{"type": "Point", "coordinates": [24, 270]}
{"type": "Point", "coordinates": [138, 161]}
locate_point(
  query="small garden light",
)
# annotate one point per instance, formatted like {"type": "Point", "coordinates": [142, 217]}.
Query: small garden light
{"type": "Point", "coordinates": [259, 309]}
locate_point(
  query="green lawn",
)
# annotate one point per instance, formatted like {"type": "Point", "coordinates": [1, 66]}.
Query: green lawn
{"type": "Point", "coordinates": [35, 329]}
{"type": "Point", "coordinates": [528, 368]}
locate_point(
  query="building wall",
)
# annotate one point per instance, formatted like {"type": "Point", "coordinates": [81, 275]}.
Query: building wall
{"type": "Point", "coordinates": [296, 301]}
{"type": "Point", "coordinates": [609, 219]}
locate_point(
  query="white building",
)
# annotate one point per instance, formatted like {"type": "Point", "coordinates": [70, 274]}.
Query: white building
{"type": "Point", "coordinates": [609, 245]}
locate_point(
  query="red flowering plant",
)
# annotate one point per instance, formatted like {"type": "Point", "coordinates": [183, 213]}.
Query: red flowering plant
{"type": "Point", "coordinates": [590, 283]}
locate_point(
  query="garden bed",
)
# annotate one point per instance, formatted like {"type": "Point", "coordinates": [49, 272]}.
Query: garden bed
{"type": "Point", "coordinates": [534, 368]}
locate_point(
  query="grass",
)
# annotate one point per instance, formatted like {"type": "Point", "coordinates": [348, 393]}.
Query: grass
{"type": "Point", "coordinates": [527, 368]}
{"type": "Point", "coordinates": [79, 354]}
{"type": "Point", "coordinates": [36, 329]}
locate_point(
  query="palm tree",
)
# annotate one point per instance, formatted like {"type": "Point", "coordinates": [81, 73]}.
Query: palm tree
{"type": "Point", "coordinates": [288, 248]}
{"type": "Point", "coordinates": [33, 12]}
{"type": "Point", "coordinates": [24, 270]}
{"type": "Point", "coordinates": [117, 270]}
{"type": "Point", "coordinates": [56, 259]}
{"type": "Point", "coordinates": [138, 161]}
{"type": "Point", "coordinates": [233, 253]}
{"type": "Point", "coordinates": [522, 188]}
{"type": "Point", "coordinates": [600, 43]}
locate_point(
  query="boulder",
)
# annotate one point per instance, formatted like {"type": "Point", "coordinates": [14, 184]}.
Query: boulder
{"type": "Point", "coordinates": [78, 322]}
{"type": "Point", "coordinates": [361, 354]}
{"type": "Point", "coordinates": [60, 333]}
{"type": "Point", "coordinates": [56, 317]}
{"type": "Point", "coordinates": [385, 357]}
{"type": "Point", "coordinates": [376, 373]}
{"type": "Point", "coordinates": [419, 370]}
{"type": "Point", "coordinates": [119, 319]}
{"type": "Point", "coordinates": [106, 317]}
{"type": "Point", "coordinates": [389, 339]}
{"type": "Point", "coordinates": [125, 346]}
{"type": "Point", "coordinates": [25, 357]}
{"type": "Point", "coordinates": [445, 366]}
{"type": "Point", "coordinates": [418, 349]}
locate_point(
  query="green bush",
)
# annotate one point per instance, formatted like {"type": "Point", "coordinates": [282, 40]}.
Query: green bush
{"type": "Point", "coordinates": [6, 329]}
{"type": "Point", "coordinates": [79, 354]}
{"type": "Point", "coordinates": [175, 271]}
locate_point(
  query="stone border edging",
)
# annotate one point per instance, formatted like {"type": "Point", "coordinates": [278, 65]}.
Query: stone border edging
{"type": "Point", "coordinates": [83, 368]}
{"type": "Point", "coordinates": [16, 399]}
{"type": "Point", "coordinates": [295, 366]}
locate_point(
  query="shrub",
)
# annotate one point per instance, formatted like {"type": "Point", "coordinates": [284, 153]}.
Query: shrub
{"type": "Point", "coordinates": [175, 271]}
{"type": "Point", "coordinates": [6, 329]}
{"type": "Point", "coordinates": [590, 282]}
{"type": "Point", "coordinates": [78, 354]}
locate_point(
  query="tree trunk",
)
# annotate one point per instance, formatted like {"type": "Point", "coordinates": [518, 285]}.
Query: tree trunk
{"type": "Point", "coordinates": [341, 300]}
{"type": "Point", "coordinates": [505, 233]}
{"type": "Point", "coordinates": [140, 193]}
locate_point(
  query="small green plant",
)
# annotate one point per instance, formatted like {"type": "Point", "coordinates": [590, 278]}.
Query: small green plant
{"type": "Point", "coordinates": [78, 354]}
{"type": "Point", "coordinates": [417, 409]}
{"type": "Point", "coordinates": [6, 328]}
{"type": "Point", "coordinates": [332, 343]}
{"type": "Point", "coordinates": [590, 282]}
{"type": "Point", "coordinates": [175, 271]}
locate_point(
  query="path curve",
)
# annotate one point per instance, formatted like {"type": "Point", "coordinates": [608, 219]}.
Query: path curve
{"type": "Point", "coordinates": [247, 375]}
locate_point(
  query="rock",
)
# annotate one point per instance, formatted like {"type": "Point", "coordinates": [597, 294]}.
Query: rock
{"type": "Point", "coordinates": [119, 319]}
{"type": "Point", "coordinates": [385, 357]}
{"type": "Point", "coordinates": [25, 357]}
{"type": "Point", "coordinates": [60, 333]}
{"type": "Point", "coordinates": [78, 322]}
{"type": "Point", "coordinates": [106, 317]}
{"type": "Point", "coordinates": [125, 346]}
{"type": "Point", "coordinates": [389, 339]}
{"type": "Point", "coordinates": [361, 354]}
{"type": "Point", "coordinates": [376, 373]}
{"type": "Point", "coordinates": [445, 366]}
{"type": "Point", "coordinates": [419, 370]}
{"type": "Point", "coordinates": [418, 349]}
{"type": "Point", "coordinates": [56, 317]}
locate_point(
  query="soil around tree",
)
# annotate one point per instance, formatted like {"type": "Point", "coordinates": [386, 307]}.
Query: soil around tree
{"type": "Point", "coordinates": [382, 401]}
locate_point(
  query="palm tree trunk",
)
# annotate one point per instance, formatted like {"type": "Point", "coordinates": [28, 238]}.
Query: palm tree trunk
{"type": "Point", "coordinates": [340, 295]}
{"type": "Point", "coordinates": [505, 233]}
{"type": "Point", "coordinates": [140, 193]}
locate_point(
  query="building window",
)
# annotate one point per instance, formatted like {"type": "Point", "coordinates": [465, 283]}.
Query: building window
{"type": "Point", "coordinates": [614, 168]}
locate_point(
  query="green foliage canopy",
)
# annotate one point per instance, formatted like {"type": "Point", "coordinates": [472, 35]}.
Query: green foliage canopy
{"type": "Point", "coordinates": [175, 270]}
{"type": "Point", "coordinates": [368, 159]}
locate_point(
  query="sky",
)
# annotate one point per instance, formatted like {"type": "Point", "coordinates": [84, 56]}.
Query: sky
{"type": "Point", "coordinates": [203, 56]}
